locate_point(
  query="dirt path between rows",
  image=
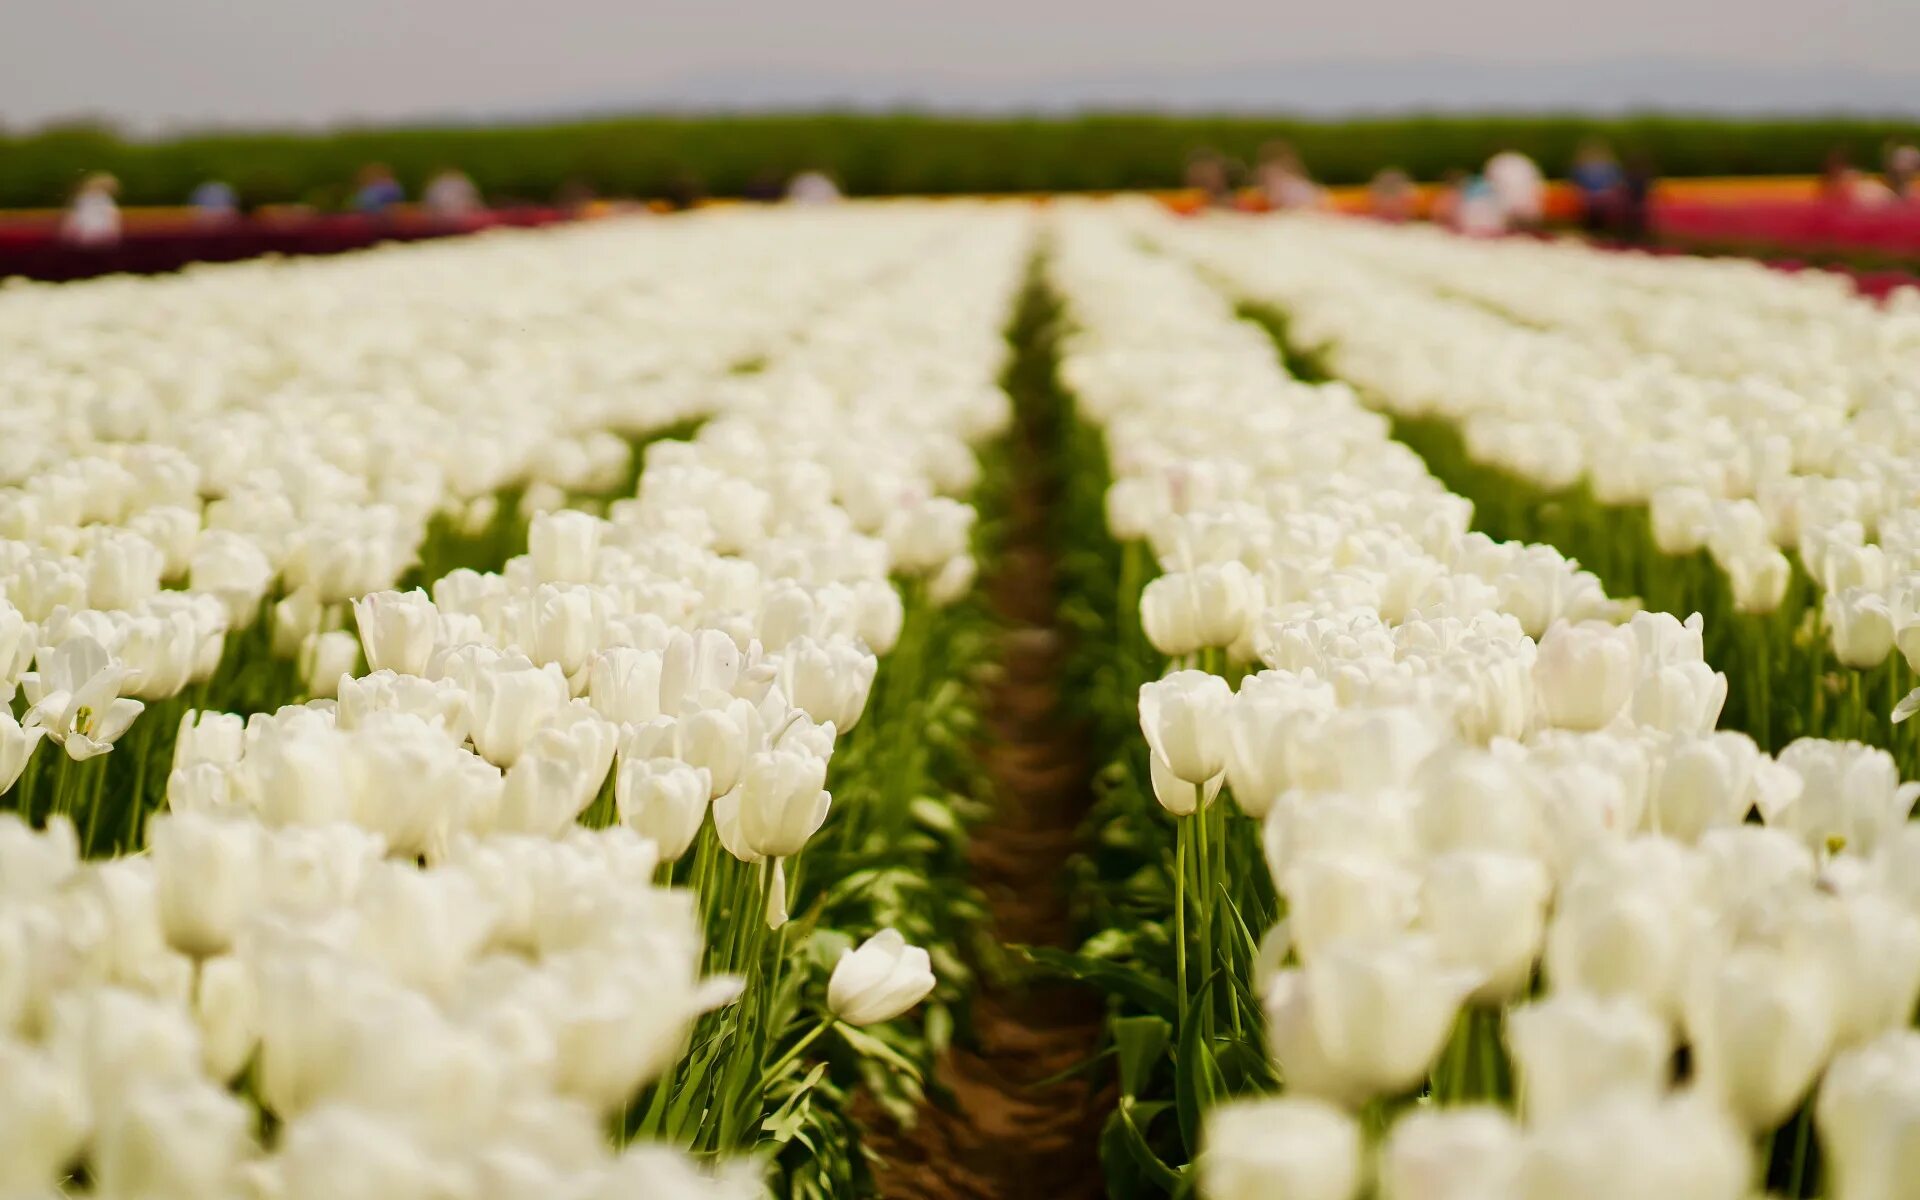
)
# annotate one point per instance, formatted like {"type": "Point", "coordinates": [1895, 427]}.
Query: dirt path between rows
{"type": "Point", "coordinates": [1008, 1132]}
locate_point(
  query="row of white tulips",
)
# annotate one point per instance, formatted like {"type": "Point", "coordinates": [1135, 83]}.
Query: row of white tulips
{"type": "Point", "coordinates": [1515, 857]}
{"type": "Point", "coordinates": [182, 448]}
{"type": "Point", "coordinates": [1750, 410]}
{"type": "Point", "coordinates": [377, 923]}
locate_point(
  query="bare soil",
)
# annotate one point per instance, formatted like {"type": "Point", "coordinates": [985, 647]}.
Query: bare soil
{"type": "Point", "coordinates": [1009, 1128]}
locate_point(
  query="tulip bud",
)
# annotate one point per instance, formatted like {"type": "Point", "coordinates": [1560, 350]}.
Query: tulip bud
{"type": "Point", "coordinates": [511, 700]}
{"type": "Point", "coordinates": [782, 801]}
{"type": "Point", "coordinates": [881, 979]}
{"type": "Point", "coordinates": [777, 896]}
{"type": "Point", "coordinates": [1175, 794]}
{"type": "Point", "coordinates": [663, 800]}
{"type": "Point", "coordinates": [1183, 718]}
{"type": "Point", "coordinates": [397, 630]}
{"type": "Point", "coordinates": [1758, 580]}
{"type": "Point", "coordinates": [1861, 625]}
{"type": "Point", "coordinates": [1293, 1147]}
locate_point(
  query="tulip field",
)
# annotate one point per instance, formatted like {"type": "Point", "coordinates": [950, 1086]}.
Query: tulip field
{"type": "Point", "coordinates": [938, 699]}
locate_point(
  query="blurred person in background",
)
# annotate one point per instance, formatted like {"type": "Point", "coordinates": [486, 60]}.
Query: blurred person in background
{"type": "Point", "coordinates": [378, 190]}
{"type": "Point", "coordinates": [1209, 174]}
{"type": "Point", "coordinates": [93, 216]}
{"type": "Point", "coordinates": [1837, 177]}
{"type": "Point", "coordinates": [683, 191]}
{"type": "Point", "coordinates": [1283, 178]}
{"type": "Point", "coordinates": [1391, 195]}
{"type": "Point", "coordinates": [1478, 211]}
{"type": "Point", "coordinates": [575, 197]}
{"type": "Point", "coordinates": [1445, 209]}
{"type": "Point", "coordinates": [764, 187]}
{"type": "Point", "coordinates": [1901, 165]}
{"type": "Point", "coordinates": [214, 203]}
{"type": "Point", "coordinates": [1597, 177]}
{"type": "Point", "coordinates": [1519, 187]}
{"type": "Point", "coordinates": [1636, 198]}
{"type": "Point", "coordinates": [451, 195]}
{"type": "Point", "coordinates": [813, 187]}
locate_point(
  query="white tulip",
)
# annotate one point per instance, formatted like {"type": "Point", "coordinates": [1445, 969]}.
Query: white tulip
{"type": "Point", "coordinates": [397, 630]}
{"type": "Point", "coordinates": [1364, 1020]}
{"type": "Point", "coordinates": [878, 981]}
{"type": "Point", "coordinates": [1183, 718]}
{"type": "Point", "coordinates": [783, 801]}
{"type": "Point", "coordinates": [1331, 897]}
{"type": "Point", "coordinates": [1761, 1025]}
{"type": "Point", "coordinates": [44, 1119]}
{"type": "Point", "coordinates": [511, 700]}
{"type": "Point", "coordinates": [1487, 913]}
{"type": "Point", "coordinates": [1574, 1049]}
{"type": "Point", "coordinates": [664, 800]}
{"type": "Point", "coordinates": [1678, 1148]}
{"type": "Point", "coordinates": [17, 744]}
{"type": "Point", "coordinates": [1585, 674]}
{"type": "Point", "coordinates": [1466, 1153]}
{"type": "Point", "coordinates": [1292, 1147]}
{"type": "Point", "coordinates": [564, 546]}
{"type": "Point", "coordinates": [1850, 798]}
{"type": "Point", "coordinates": [1864, 1112]}
{"type": "Point", "coordinates": [206, 870]}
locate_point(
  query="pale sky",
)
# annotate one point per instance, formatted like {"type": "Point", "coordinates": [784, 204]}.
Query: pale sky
{"type": "Point", "coordinates": [163, 63]}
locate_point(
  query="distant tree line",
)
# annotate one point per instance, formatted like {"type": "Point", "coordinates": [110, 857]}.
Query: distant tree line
{"type": "Point", "coordinates": [885, 154]}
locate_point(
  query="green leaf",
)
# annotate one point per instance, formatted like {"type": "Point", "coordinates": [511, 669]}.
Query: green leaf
{"type": "Point", "coordinates": [1197, 1083]}
{"type": "Point", "coordinates": [1140, 1042]}
{"type": "Point", "coordinates": [1132, 1121]}
{"type": "Point", "coordinates": [869, 1046]}
{"type": "Point", "coordinates": [1151, 992]}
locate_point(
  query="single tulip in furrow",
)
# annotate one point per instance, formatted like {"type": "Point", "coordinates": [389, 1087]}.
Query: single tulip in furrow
{"type": "Point", "coordinates": [417, 938]}
{"type": "Point", "coordinates": [1752, 426]}
{"type": "Point", "coordinates": [239, 603]}
{"type": "Point", "coordinates": [1516, 861]}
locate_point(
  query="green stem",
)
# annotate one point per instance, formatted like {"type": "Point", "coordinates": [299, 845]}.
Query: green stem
{"type": "Point", "coordinates": [773, 1072]}
{"type": "Point", "coordinates": [1180, 838]}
